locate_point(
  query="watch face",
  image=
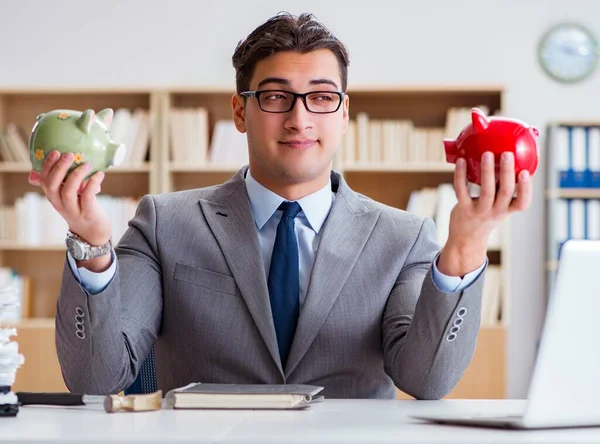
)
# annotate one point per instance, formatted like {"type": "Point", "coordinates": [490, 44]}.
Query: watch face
{"type": "Point", "coordinates": [568, 53]}
{"type": "Point", "coordinates": [75, 248]}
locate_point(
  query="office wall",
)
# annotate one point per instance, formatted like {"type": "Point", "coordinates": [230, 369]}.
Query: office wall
{"type": "Point", "coordinates": [184, 42]}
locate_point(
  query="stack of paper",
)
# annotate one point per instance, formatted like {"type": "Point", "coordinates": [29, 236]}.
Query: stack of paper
{"type": "Point", "coordinates": [10, 359]}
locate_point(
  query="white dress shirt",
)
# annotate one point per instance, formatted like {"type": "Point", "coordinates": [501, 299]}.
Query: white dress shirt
{"type": "Point", "coordinates": [308, 223]}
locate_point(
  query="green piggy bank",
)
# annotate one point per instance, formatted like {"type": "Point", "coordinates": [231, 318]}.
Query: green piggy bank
{"type": "Point", "coordinates": [85, 134]}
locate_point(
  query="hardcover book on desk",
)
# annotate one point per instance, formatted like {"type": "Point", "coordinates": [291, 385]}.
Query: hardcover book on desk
{"type": "Point", "coordinates": [242, 396]}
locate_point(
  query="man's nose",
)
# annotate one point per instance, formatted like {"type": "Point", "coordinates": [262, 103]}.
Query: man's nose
{"type": "Point", "coordinates": [299, 116]}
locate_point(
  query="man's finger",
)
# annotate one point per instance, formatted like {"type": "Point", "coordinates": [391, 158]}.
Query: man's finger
{"type": "Point", "coordinates": [48, 165]}
{"type": "Point", "coordinates": [69, 190]}
{"type": "Point", "coordinates": [524, 193]}
{"type": "Point", "coordinates": [88, 196]}
{"type": "Point", "coordinates": [506, 190]}
{"type": "Point", "coordinates": [55, 177]}
{"type": "Point", "coordinates": [460, 182]}
{"type": "Point", "coordinates": [34, 178]}
{"type": "Point", "coordinates": [487, 192]}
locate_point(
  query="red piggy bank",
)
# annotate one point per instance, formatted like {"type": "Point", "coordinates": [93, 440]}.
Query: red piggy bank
{"type": "Point", "coordinates": [495, 134]}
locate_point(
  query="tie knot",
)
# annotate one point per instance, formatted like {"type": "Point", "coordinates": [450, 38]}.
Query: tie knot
{"type": "Point", "coordinates": [290, 209]}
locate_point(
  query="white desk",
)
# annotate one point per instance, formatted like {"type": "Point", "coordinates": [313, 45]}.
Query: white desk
{"type": "Point", "coordinates": [344, 421]}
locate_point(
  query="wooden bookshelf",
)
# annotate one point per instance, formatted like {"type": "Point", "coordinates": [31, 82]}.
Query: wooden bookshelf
{"type": "Point", "coordinates": [390, 184]}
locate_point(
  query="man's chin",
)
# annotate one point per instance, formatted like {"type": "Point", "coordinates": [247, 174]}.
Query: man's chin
{"type": "Point", "coordinates": [296, 174]}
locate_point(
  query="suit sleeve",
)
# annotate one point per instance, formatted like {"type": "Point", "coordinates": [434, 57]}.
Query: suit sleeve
{"type": "Point", "coordinates": [103, 339]}
{"type": "Point", "coordinates": [428, 335]}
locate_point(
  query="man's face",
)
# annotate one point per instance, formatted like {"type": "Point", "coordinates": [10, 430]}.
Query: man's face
{"type": "Point", "coordinates": [297, 146]}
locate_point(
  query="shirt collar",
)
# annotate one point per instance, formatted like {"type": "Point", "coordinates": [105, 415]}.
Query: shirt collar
{"type": "Point", "coordinates": [265, 202]}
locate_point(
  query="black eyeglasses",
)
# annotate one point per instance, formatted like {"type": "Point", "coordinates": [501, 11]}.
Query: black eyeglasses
{"type": "Point", "coordinates": [279, 101]}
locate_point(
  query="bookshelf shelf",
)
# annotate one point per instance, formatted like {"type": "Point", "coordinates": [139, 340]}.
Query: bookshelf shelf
{"type": "Point", "coordinates": [426, 107]}
{"type": "Point", "coordinates": [137, 168]}
{"type": "Point", "coordinates": [14, 246]}
{"type": "Point", "coordinates": [573, 193]}
{"type": "Point", "coordinates": [209, 168]}
{"type": "Point", "coordinates": [422, 167]}
{"type": "Point", "coordinates": [13, 167]}
{"type": "Point", "coordinates": [31, 323]}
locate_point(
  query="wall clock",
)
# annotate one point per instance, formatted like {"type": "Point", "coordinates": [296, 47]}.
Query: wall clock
{"type": "Point", "coordinates": [568, 52]}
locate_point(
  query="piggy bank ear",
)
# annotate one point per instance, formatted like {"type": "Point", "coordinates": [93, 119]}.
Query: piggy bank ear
{"type": "Point", "coordinates": [85, 122]}
{"type": "Point", "coordinates": [479, 120]}
{"type": "Point", "coordinates": [106, 115]}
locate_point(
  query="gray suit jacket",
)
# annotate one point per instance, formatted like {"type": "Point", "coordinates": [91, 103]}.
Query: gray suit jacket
{"type": "Point", "coordinates": [190, 280]}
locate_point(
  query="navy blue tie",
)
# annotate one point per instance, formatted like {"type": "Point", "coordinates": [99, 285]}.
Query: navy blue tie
{"type": "Point", "coordinates": [283, 281]}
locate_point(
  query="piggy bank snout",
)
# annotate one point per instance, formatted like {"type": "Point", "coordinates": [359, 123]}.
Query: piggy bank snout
{"type": "Point", "coordinates": [116, 154]}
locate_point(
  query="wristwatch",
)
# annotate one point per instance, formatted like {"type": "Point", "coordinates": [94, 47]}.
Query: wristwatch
{"type": "Point", "coordinates": [82, 251]}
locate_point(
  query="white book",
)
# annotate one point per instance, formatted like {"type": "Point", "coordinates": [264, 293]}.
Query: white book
{"type": "Point", "coordinates": [577, 214]}
{"type": "Point", "coordinates": [593, 218]}
{"type": "Point", "coordinates": [578, 147]}
{"type": "Point", "coordinates": [362, 126]}
{"type": "Point", "coordinates": [559, 155]}
{"type": "Point", "coordinates": [560, 218]}
{"type": "Point", "coordinates": [349, 144]}
{"type": "Point", "coordinates": [446, 200]}
{"type": "Point", "coordinates": [594, 154]}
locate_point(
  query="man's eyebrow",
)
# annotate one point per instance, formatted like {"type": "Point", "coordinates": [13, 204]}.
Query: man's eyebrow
{"type": "Point", "coordinates": [324, 82]}
{"type": "Point", "coordinates": [285, 82]}
{"type": "Point", "coordinates": [279, 80]}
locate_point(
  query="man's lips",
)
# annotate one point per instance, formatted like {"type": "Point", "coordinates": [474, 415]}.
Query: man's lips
{"type": "Point", "coordinates": [299, 143]}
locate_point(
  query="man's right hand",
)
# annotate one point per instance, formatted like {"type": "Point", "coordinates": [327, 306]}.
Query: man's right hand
{"type": "Point", "coordinates": [75, 200]}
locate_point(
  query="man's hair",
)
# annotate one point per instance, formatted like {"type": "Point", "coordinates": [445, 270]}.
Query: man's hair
{"type": "Point", "coordinates": [285, 32]}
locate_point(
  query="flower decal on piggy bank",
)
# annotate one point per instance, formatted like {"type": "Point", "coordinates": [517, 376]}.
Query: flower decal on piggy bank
{"type": "Point", "coordinates": [85, 134]}
{"type": "Point", "coordinates": [495, 134]}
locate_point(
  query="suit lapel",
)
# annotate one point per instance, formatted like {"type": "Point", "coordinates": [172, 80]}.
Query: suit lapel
{"type": "Point", "coordinates": [236, 234]}
{"type": "Point", "coordinates": [344, 236]}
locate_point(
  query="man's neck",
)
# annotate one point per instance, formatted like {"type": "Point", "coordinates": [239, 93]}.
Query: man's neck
{"type": "Point", "coordinates": [291, 191]}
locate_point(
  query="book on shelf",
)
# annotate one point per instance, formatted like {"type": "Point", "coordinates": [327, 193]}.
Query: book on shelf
{"type": "Point", "coordinates": [13, 147]}
{"type": "Point", "coordinates": [133, 129]}
{"type": "Point", "coordinates": [191, 142]}
{"type": "Point", "coordinates": [575, 156]}
{"type": "Point", "coordinates": [399, 141]}
{"type": "Point", "coordinates": [242, 396]}
{"type": "Point", "coordinates": [189, 135]}
{"type": "Point", "coordinates": [573, 219]}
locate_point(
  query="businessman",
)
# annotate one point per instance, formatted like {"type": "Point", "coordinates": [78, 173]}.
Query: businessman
{"type": "Point", "coordinates": [282, 274]}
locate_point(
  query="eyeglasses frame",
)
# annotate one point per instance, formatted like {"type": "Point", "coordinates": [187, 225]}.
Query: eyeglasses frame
{"type": "Point", "coordinates": [257, 93]}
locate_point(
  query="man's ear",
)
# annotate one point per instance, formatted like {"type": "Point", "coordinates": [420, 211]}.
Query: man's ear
{"type": "Point", "coordinates": [345, 113]}
{"type": "Point", "coordinates": [239, 112]}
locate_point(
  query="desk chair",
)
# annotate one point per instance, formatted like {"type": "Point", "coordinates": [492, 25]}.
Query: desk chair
{"type": "Point", "coordinates": [146, 378]}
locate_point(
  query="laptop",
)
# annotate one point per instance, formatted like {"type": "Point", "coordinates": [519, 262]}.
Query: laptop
{"type": "Point", "coordinates": [565, 385]}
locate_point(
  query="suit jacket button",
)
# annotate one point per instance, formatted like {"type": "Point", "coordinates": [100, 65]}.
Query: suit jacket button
{"type": "Point", "coordinates": [461, 312]}
{"type": "Point", "coordinates": [80, 334]}
{"type": "Point", "coordinates": [79, 311]}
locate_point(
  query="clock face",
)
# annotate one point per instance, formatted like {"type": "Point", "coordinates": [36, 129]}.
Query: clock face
{"type": "Point", "coordinates": [568, 53]}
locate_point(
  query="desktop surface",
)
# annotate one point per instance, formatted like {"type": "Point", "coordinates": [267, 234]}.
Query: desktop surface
{"type": "Point", "coordinates": [330, 421]}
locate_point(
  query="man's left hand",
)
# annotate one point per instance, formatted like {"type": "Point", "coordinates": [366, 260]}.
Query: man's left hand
{"type": "Point", "coordinates": [472, 220]}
